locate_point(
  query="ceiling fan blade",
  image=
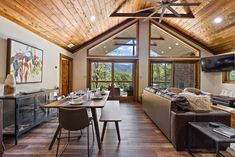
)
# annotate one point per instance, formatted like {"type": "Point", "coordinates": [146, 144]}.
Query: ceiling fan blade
{"type": "Point", "coordinates": [162, 15]}
{"type": "Point", "coordinates": [145, 9]}
{"type": "Point", "coordinates": [173, 11]}
{"type": "Point", "coordinates": [185, 4]}
{"type": "Point", "coordinates": [152, 13]}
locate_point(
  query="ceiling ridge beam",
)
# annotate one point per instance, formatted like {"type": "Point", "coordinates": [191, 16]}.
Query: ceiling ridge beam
{"type": "Point", "coordinates": [145, 15]}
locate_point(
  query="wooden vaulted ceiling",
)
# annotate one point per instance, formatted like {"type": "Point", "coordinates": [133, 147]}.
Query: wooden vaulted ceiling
{"type": "Point", "coordinates": [68, 21]}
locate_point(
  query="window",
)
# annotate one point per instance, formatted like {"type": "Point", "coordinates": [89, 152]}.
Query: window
{"type": "Point", "coordinates": [116, 76]}
{"type": "Point", "coordinates": [164, 44]}
{"type": "Point", "coordinates": [229, 76]}
{"type": "Point", "coordinates": [101, 75]}
{"type": "Point", "coordinates": [174, 74]}
{"type": "Point", "coordinates": [122, 44]}
{"type": "Point", "coordinates": [161, 75]}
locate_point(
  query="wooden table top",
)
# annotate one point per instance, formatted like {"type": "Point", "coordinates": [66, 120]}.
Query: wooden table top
{"type": "Point", "coordinates": [88, 104]}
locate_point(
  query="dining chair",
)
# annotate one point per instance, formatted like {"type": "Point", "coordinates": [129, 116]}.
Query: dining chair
{"type": "Point", "coordinates": [73, 120]}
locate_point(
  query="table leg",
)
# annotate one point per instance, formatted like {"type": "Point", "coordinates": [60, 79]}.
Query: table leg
{"type": "Point", "coordinates": [97, 132]}
{"type": "Point", "coordinates": [218, 154]}
{"type": "Point", "coordinates": [118, 131]}
{"type": "Point", "coordinates": [188, 141]}
{"type": "Point", "coordinates": [54, 137]}
{"type": "Point", "coordinates": [217, 149]}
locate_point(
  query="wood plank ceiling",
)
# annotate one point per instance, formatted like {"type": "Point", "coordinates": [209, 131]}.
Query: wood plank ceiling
{"type": "Point", "coordinates": [68, 21]}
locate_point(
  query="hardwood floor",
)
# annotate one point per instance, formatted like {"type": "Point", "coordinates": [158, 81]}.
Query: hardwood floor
{"type": "Point", "coordinates": [139, 138]}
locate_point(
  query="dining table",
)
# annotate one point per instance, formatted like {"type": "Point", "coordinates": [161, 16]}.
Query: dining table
{"type": "Point", "coordinates": [92, 104]}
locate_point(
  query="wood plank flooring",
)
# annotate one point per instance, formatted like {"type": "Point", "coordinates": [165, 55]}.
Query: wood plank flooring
{"type": "Point", "coordinates": [139, 138]}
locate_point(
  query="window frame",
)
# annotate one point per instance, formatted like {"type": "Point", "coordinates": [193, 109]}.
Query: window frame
{"type": "Point", "coordinates": [225, 78]}
{"type": "Point", "coordinates": [173, 62]}
{"type": "Point", "coordinates": [110, 36]}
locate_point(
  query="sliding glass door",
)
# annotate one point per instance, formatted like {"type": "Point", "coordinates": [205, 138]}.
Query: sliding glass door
{"type": "Point", "coordinates": [123, 79]}
{"type": "Point", "coordinates": [116, 76]}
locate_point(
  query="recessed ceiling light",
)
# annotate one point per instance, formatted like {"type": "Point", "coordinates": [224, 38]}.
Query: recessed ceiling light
{"type": "Point", "coordinates": [106, 51]}
{"type": "Point", "coordinates": [218, 20]}
{"type": "Point", "coordinates": [162, 52]}
{"type": "Point", "coordinates": [92, 18]}
{"type": "Point", "coordinates": [170, 47]}
{"type": "Point", "coordinates": [104, 47]}
{"type": "Point", "coordinates": [70, 45]}
{"type": "Point", "coordinates": [176, 44]}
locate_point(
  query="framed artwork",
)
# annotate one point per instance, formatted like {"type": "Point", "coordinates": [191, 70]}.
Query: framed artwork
{"type": "Point", "coordinates": [25, 62]}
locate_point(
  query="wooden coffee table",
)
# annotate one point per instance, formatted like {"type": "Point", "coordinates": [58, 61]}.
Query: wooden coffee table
{"type": "Point", "coordinates": [207, 130]}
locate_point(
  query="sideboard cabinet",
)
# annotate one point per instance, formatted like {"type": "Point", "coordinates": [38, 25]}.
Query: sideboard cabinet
{"type": "Point", "coordinates": [22, 112]}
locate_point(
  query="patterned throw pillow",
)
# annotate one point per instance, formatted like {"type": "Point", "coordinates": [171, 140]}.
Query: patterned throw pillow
{"type": "Point", "coordinates": [198, 102]}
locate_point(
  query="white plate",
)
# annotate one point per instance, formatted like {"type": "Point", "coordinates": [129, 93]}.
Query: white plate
{"type": "Point", "coordinates": [76, 102]}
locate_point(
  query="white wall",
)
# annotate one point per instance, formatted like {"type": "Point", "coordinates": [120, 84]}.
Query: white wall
{"type": "Point", "coordinates": [80, 62]}
{"type": "Point", "coordinates": [51, 54]}
{"type": "Point", "coordinates": [143, 55]}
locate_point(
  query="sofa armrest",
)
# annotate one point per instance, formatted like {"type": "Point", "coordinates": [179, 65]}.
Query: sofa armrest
{"type": "Point", "coordinates": [158, 109]}
{"type": "Point", "coordinates": [179, 125]}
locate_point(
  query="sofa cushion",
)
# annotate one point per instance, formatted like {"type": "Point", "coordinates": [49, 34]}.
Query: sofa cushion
{"type": "Point", "coordinates": [193, 90]}
{"type": "Point", "coordinates": [198, 102]}
{"type": "Point", "coordinates": [151, 89]}
{"type": "Point", "coordinates": [174, 90]}
{"type": "Point", "coordinates": [181, 103]}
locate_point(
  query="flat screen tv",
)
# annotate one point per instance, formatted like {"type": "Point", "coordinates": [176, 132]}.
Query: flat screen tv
{"type": "Point", "coordinates": [221, 63]}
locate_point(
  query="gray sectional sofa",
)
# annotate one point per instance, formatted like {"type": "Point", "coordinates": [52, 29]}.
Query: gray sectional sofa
{"type": "Point", "coordinates": [174, 123]}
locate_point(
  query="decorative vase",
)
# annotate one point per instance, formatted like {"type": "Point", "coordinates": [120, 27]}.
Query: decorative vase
{"type": "Point", "coordinates": [10, 85]}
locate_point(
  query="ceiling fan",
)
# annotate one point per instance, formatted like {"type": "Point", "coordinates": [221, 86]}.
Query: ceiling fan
{"type": "Point", "coordinates": [163, 5]}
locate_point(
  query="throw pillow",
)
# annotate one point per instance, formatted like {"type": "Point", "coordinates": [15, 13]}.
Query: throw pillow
{"type": "Point", "coordinates": [198, 102]}
{"type": "Point", "coordinates": [182, 103]}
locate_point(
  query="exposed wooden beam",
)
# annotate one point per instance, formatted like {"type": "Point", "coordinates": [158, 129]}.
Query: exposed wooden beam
{"type": "Point", "coordinates": [79, 47]}
{"type": "Point", "coordinates": [187, 8]}
{"type": "Point", "coordinates": [133, 38]}
{"type": "Point", "coordinates": [146, 15]}
{"type": "Point", "coordinates": [125, 44]}
{"type": "Point", "coordinates": [125, 38]}
{"type": "Point", "coordinates": [158, 38]}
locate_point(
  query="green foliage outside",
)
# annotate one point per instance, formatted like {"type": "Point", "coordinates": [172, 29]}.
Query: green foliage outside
{"type": "Point", "coordinates": [103, 72]}
{"type": "Point", "coordinates": [232, 75]}
{"type": "Point", "coordinates": [162, 74]}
